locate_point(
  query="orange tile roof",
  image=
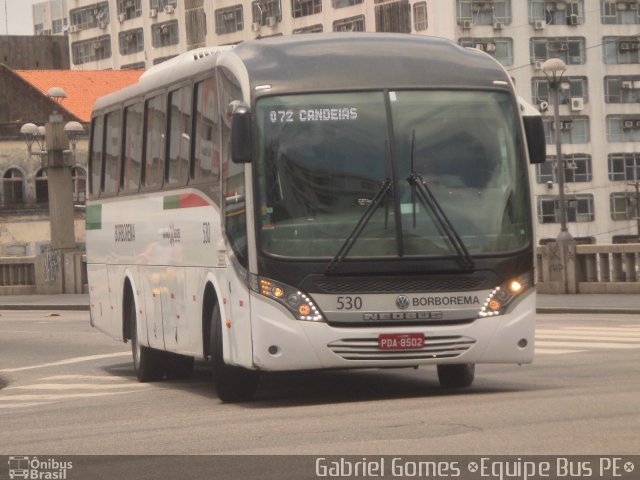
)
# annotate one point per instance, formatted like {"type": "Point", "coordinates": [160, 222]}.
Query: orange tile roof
{"type": "Point", "coordinates": [83, 87]}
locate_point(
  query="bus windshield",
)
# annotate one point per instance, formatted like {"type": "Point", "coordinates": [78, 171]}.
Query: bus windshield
{"type": "Point", "coordinates": [323, 159]}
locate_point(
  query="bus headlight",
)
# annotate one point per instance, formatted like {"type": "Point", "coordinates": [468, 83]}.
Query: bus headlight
{"type": "Point", "coordinates": [297, 302]}
{"type": "Point", "coordinates": [504, 296]}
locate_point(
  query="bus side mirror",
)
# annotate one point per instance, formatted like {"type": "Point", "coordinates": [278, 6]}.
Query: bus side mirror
{"type": "Point", "coordinates": [241, 120]}
{"type": "Point", "coordinates": [536, 143]}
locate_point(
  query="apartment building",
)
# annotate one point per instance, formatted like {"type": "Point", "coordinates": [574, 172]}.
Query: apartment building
{"type": "Point", "coordinates": [50, 17]}
{"type": "Point", "coordinates": [599, 40]}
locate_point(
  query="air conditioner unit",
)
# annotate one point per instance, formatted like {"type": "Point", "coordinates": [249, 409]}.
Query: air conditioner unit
{"type": "Point", "coordinates": [498, 25]}
{"type": "Point", "coordinates": [539, 25]}
{"type": "Point", "coordinates": [538, 64]}
{"type": "Point", "coordinates": [255, 27]}
{"type": "Point", "coordinates": [73, 29]}
{"type": "Point", "coordinates": [560, 6]}
{"type": "Point", "coordinates": [636, 84]}
{"type": "Point", "coordinates": [229, 16]}
{"type": "Point", "coordinates": [467, 24]}
{"type": "Point", "coordinates": [130, 4]}
{"type": "Point", "coordinates": [102, 24]}
{"type": "Point", "coordinates": [583, 217]}
{"type": "Point", "coordinates": [96, 45]}
{"type": "Point", "coordinates": [566, 125]}
{"type": "Point", "coordinates": [271, 21]}
{"type": "Point", "coordinates": [627, 124]}
{"type": "Point", "coordinates": [570, 165]}
{"type": "Point", "coordinates": [623, 46]}
{"type": "Point", "coordinates": [572, 19]}
{"type": "Point", "coordinates": [122, 17]}
{"type": "Point", "coordinates": [169, 9]}
{"type": "Point", "coordinates": [491, 47]}
{"type": "Point", "coordinates": [621, 6]}
{"type": "Point", "coordinates": [563, 47]}
{"type": "Point", "coordinates": [480, 46]}
{"type": "Point", "coordinates": [637, 123]}
{"type": "Point", "coordinates": [153, 13]}
{"type": "Point", "coordinates": [634, 6]}
{"type": "Point", "coordinates": [626, 85]}
{"type": "Point", "coordinates": [544, 106]}
{"type": "Point", "coordinates": [577, 104]}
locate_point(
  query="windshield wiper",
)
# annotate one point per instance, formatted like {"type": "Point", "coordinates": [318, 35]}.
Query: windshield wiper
{"type": "Point", "coordinates": [366, 216]}
{"type": "Point", "coordinates": [429, 200]}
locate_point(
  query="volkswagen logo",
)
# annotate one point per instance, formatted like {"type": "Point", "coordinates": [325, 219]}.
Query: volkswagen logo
{"type": "Point", "coordinates": [402, 302]}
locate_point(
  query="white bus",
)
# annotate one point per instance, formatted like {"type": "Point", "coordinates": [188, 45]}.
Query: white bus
{"type": "Point", "coordinates": [315, 202]}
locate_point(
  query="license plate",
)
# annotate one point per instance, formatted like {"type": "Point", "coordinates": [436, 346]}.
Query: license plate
{"type": "Point", "coordinates": [401, 341]}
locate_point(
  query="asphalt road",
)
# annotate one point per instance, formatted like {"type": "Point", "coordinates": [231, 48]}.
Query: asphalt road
{"type": "Point", "coordinates": [69, 389]}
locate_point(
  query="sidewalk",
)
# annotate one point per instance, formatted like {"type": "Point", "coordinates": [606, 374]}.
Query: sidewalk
{"type": "Point", "coordinates": [584, 303]}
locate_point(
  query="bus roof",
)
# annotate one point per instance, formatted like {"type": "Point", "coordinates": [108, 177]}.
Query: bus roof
{"type": "Point", "coordinates": [336, 61]}
{"type": "Point", "coordinates": [333, 61]}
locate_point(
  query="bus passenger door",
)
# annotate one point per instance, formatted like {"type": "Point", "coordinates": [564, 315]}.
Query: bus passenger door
{"type": "Point", "coordinates": [153, 284]}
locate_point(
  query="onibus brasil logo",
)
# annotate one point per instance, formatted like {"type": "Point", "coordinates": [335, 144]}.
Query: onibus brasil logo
{"type": "Point", "coordinates": [35, 469]}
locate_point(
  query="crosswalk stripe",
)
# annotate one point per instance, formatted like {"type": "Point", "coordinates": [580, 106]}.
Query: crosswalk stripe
{"type": "Point", "coordinates": [77, 386]}
{"type": "Point", "coordinates": [556, 351]}
{"type": "Point", "coordinates": [586, 344]}
{"type": "Point", "coordinates": [576, 339]}
{"type": "Point", "coordinates": [569, 336]}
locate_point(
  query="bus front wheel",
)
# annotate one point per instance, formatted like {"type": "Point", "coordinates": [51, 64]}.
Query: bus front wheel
{"type": "Point", "coordinates": [456, 375]}
{"type": "Point", "coordinates": [148, 363]}
{"type": "Point", "coordinates": [233, 384]}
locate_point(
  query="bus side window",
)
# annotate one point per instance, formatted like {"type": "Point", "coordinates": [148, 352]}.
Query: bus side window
{"type": "Point", "coordinates": [132, 157]}
{"type": "Point", "coordinates": [180, 104]}
{"type": "Point", "coordinates": [156, 117]}
{"type": "Point", "coordinates": [233, 173]}
{"type": "Point", "coordinates": [113, 149]}
{"type": "Point", "coordinates": [95, 160]}
{"type": "Point", "coordinates": [206, 150]}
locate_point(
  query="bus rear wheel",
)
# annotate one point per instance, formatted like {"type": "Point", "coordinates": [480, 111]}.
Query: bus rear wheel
{"type": "Point", "coordinates": [148, 363]}
{"type": "Point", "coordinates": [457, 375]}
{"type": "Point", "coordinates": [233, 384]}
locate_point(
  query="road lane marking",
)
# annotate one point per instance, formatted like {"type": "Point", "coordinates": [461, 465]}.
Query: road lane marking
{"type": "Point", "coordinates": [82, 377]}
{"type": "Point", "coordinates": [556, 351]}
{"type": "Point", "coordinates": [580, 344]}
{"type": "Point", "coordinates": [22, 405]}
{"type": "Point", "coordinates": [60, 396]}
{"type": "Point", "coordinates": [576, 339]}
{"type": "Point", "coordinates": [66, 362]}
{"type": "Point", "coordinates": [607, 338]}
{"type": "Point", "coordinates": [78, 386]}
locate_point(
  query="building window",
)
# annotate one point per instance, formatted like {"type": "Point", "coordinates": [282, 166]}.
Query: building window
{"type": "Point", "coordinates": [623, 89]}
{"type": "Point", "coordinates": [164, 34]}
{"type": "Point", "coordinates": [91, 50]}
{"type": "Point", "coordinates": [160, 5]}
{"type": "Point", "coordinates": [393, 16]}
{"type": "Point", "coordinates": [131, 41]}
{"type": "Point", "coordinates": [577, 168]}
{"type": "Point", "coordinates": [79, 179]}
{"type": "Point", "coordinates": [195, 20]}
{"type": "Point", "coordinates": [266, 12]}
{"type": "Point", "coordinates": [56, 26]}
{"type": "Point", "coordinates": [623, 128]}
{"type": "Point", "coordinates": [574, 130]}
{"type": "Point", "coordinates": [134, 66]}
{"type": "Point", "coordinates": [128, 9]}
{"type": "Point", "coordinates": [499, 48]}
{"type": "Point", "coordinates": [619, 13]}
{"type": "Point", "coordinates": [42, 186]}
{"type": "Point", "coordinates": [623, 205]}
{"type": "Point", "coordinates": [351, 24]}
{"type": "Point", "coordinates": [156, 118]}
{"type": "Point", "coordinates": [38, 29]}
{"type": "Point", "coordinates": [571, 88]}
{"type": "Point", "coordinates": [420, 20]}
{"type": "Point", "coordinates": [90, 16]}
{"type": "Point", "coordinates": [229, 20]}
{"type": "Point", "coordinates": [345, 3]}
{"type": "Point", "coordinates": [479, 12]}
{"type": "Point", "coordinates": [621, 50]}
{"type": "Point", "coordinates": [570, 49]}
{"type": "Point", "coordinates": [579, 208]}
{"type": "Point", "coordinates": [317, 28]}
{"type": "Point", "coordinates": [303, 8]}
{"type": "Point", "coordinates": [624, 166]}
{"type": "Point", "coordinates": [13, 186]}
{"type": "Point", "coordinates": [556, 12]}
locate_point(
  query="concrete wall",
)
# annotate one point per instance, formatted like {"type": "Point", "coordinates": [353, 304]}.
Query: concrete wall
{"type": "Point", "coordinates": [35, 53]}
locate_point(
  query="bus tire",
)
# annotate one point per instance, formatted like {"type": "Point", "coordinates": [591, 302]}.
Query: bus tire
{"type": "Point", "coordinates": [148, 363]}
{"type": "Point", "coordinates": [456, 375]}
{"type": "Point", "coordinates": [178, 366]}
{"type": "Point", "coordinates": [233, 384]}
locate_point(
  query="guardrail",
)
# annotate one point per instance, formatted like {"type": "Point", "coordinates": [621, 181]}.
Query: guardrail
{"type": "Point", "coordinates": [48, 273]}
{"type": "Point", "coordinates": [589, 268]}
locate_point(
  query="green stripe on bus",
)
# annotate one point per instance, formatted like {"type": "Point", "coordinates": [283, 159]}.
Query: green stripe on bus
{"type": "Point", "coordinates": [171, 202]}
{"type": "Point", "coordinates": [94, 217]}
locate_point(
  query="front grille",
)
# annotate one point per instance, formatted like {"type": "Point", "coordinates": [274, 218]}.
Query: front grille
{"type": "Point", "coordinates": [434, 348]}
{"type": "Point", "coordinates": [458, 283]}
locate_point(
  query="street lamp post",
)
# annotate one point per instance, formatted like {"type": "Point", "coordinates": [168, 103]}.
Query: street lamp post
{"type": "Point", "coordinates": [53, 141]}
{"type": "Point", "coordinates": [554, 69]}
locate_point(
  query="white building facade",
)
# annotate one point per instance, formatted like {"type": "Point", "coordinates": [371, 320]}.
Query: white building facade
{"type": "Point", "coordinates": [599, 40]}
{"type": "Point", "coordinates": [50, 17]}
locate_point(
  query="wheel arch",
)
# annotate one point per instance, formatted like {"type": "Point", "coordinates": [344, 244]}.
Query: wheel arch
{"type": "Point", "coordinates": [209, 300]}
